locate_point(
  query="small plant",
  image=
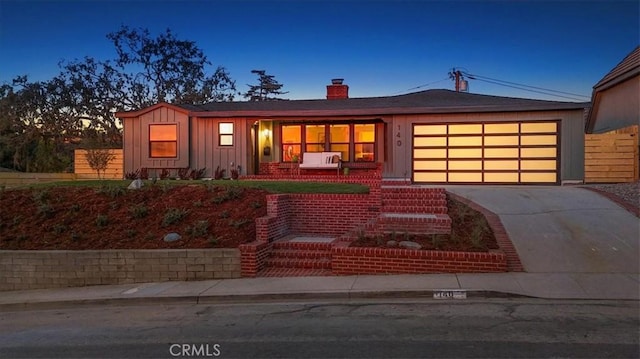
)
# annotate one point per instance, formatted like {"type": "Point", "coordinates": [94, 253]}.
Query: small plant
{"type": "Point", "coordinates": [239, 223]}
{"type": "Point", "coordinates": [139, 211]}
{"type": "Point", "coordinates": [74, 208]}
{"type": "Point", "coordinates": [199, 228]}
{"type": "Point", "coordinates": [183, 173]}
{"type": "Point", "coordinates": [477, 235]}
{"type": "Point", "coordinates": [235, 173]}
{"type": "Point", "coordinates": [197, 203]}
{"type": "Point", "coordinates": [144, 173]}
{"type": "Point", "coordinates": [75, 236]}
{"type": "Point", "coordinates": [130, 233]}
{"type": "Point", "coordinates": [197, 173]}
{"type": "Point", "coordinates": [174, 215]}
{"type": "Point", "coordinates": [394, 236]}
{"type": "Point", "coordinates": [132, 175]}
{"type": "Point", "coordinates": [149, 236]}
{"type": "Point", "coordinates": [256, 204]}
{"type": "Point", "coordinates": [224, 214]}
{"type": "Point", "coordinates": [45, 210]}
{"type": "Point", "coordinates": [219, 173]}
{"type": "Point", "coordinates": [213, 241]}
{"type": "Point", "coordinates": [41, 196]}
{"type": "Point", "coordinates": [112, 191]}
{"type": "Point", "coordinates": [60, 228]}
{"type": "Point", "coordinates": [102, 220]}
{"type": "Point", "coordinates": [164, 174]}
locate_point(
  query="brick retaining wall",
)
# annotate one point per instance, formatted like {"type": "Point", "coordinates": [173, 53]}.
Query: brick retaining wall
{"type": "Point", "coordinates": [353, 260]}
{"type": "Point", "coordinates": [55, 269]}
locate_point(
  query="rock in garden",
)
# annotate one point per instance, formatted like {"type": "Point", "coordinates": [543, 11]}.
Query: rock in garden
{"type": "Point", "coordinates": [392, 244]}
{"type": "Point", "coordinates": [136, 184]}
{"type": "Point", "coordinates": [410, 245]}
{"type": "Point", "coordinates": [172, 237]}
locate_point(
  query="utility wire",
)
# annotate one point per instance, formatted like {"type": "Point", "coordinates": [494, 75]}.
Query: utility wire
{"type": "Point", "coordinates": [530, 90]}
{"type": "Point", "coordinates": [499, 82]}
{"type": "Point", "coordinates": [421, 86]}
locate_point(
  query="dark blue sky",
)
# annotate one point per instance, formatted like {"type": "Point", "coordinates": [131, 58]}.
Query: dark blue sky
{"type": "Point", "coordinates": [379, 47]}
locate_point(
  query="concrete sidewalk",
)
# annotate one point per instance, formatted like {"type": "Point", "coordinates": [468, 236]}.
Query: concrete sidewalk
{"type": "Point", "coordinates": [542, 285]}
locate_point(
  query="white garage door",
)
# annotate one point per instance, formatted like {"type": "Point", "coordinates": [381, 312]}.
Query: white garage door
{"type": "Point", "coordinates": [505, 152]}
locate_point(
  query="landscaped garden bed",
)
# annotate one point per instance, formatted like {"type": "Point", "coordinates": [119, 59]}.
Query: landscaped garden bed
{"type": "Point", "coordinates": [470, 232]}
{"type": "Point", "coordinates": [106, 215]}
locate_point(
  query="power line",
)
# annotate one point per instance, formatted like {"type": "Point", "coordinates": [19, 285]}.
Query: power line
{"type": "Point", "coordinates": [421, 86]}
{"type": "Point", "coordinates": [530, 90]}
{"type": "Point", "coordinates": [523, 86]}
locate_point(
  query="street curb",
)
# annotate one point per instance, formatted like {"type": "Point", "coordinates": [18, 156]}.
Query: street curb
{"type": "Point", "coordinates": [245, 298]}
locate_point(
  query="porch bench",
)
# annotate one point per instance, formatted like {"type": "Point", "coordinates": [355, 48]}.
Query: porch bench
{"type": "Point", "coordinates": [321, 160]}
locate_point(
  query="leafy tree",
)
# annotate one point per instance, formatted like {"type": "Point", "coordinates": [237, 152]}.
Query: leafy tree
{"type": "Point", "coordinates": [42, 122]}
{"type": "Point", "coordinates": [267, 88]}
{"type": "Point", "coordinates": [145, 71]}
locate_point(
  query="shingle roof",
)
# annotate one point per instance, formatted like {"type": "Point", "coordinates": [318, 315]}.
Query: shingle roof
{"type": "Point", "coordinates": [627, 67]}
{"type": "Point", "coordinates": [429, 101]}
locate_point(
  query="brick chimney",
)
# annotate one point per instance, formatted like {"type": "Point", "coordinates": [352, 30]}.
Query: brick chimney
{"type": "Point", "coordinates": [337, 90]}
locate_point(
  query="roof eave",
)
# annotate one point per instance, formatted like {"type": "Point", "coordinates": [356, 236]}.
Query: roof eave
{"type": "Point", "coordinates": [129, 114]}
{"type": "Point", "coordinates": [389, 111]}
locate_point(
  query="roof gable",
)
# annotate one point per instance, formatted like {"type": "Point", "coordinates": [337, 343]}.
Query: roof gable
{"type": "Point", "coordinates": [628, 67]}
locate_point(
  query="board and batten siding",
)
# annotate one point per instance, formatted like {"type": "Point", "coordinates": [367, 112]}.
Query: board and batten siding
{"type": "Point", "coordinates": [207, 152]}
{"type": "Point", "coordinates": [400, 133]}
{"type": "Point", "coordinates": [136, 140]}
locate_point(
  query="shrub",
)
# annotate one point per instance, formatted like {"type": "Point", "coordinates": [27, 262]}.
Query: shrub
{"type": "Point", "coordinates": [174, 215]}
{"type": "Point", "coordinates": [183, 173]}
{"type": "Point", "coordinates": [45, 210]}
{"type": "Point", "coordinates": [112, 191]}
{"type": "Point", "coordinates": [74, 208]}
{"type": "Point", "coordinates": [239, 223]}
{"type": "Point", "coordinates": [199, 228]}
{"type": "Point", "coordinates": [219, 173]}
{"type": "Point", "coordinates": [256, 204]}
{"type": "Point", "coordinates": [132, 175]}
{"type": "Point", "coordinates": [41, 196]}
{"type": "Point", "coordinates": [224, 214]}
{"type": "Point", "coordinates": [235, 173]}
{"type": "Point", "coordinates": [139, 211]}
{"type": "Point", "coordinates": [131, 233]}
{"type": "Point", "coordinates": [197, 203]}
{"type": "Point", "coordinates": [197, 173]}
{"type": "Point", "coordinates": [60, 228]}
{"type": "Point", "coordinates": [164, 174]}
{"type": "Point", "coordinates": [144, 173]}
{"type": "Point", "coordinates": [102, 220]}
{"type": "Point", "coordinates": [75, 236]}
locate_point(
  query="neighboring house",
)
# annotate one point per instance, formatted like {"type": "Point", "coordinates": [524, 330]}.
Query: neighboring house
{"type": "Point", "coordinates": [616, 97]}
{"type": "Point", "coordinates": [433, 136]}
{"type": "Point", "coordinates": [611, 143]}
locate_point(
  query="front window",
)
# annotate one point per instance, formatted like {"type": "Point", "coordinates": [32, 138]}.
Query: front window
{"type": "Point", "coordinates": [364, 142]}
{"type": "Point", "coordinates": [340, 140]}
{"type": "Point", "coordinates": [163, 141]}
{"type": "Point", "coordinates": [348, 139]}
{"type": "Point", "coordinates": [314, 138]}
{"type": "Point", "coordinates": [291, 142]}
{"type": "Point", "coordinates": [225, 133]}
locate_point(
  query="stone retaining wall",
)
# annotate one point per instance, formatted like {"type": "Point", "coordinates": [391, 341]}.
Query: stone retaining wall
{"type": "Point", "coordinates": [21, 270]}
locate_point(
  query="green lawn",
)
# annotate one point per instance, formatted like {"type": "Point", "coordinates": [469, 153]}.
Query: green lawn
{"type": "Point", "coordinates": [270, 186]}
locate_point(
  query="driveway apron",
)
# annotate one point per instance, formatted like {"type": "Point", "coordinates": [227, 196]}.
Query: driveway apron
{"type": "Point", "coordinates": [563, 229]}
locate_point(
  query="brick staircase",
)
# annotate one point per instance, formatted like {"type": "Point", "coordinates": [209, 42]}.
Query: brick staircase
{"type": "Point", "coordinates": [414, 210]}
{"type": "Point", "coordinates": [290, 259]}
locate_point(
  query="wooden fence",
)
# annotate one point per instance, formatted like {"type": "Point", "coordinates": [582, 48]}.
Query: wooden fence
{"type": "Point", "coordinates": [114, 169]}
{"type": "Point", "coordinates": [611, 157]}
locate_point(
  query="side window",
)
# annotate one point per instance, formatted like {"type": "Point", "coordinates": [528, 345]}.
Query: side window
{"type": "Point", "coordinates": [163, 141]}
{"type": "Point", "coordinates": [225, 134]}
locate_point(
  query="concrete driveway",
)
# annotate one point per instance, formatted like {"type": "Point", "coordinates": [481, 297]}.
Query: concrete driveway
{"type": "Point", "coordinates": [563, 229]}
